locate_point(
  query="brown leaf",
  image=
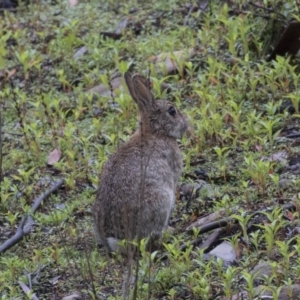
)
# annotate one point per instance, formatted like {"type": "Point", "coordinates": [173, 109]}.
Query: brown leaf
{"type": "Point", "coordinates": [214, 81]}
{"type": "Point", "coordinates": [168, 62]}
{"type": "Point", "coordinates": [290, 216]}
{"type": "Point", "coordinates": [73, 2]}
{"type": "Point", "coordinates": [54, 157]}
{"type": "Point", "coordinates": [289, 42]}
{"type": "Point", "coordinates": [11, 73]}
{"type": "Point", "coordinates": [228, 118]}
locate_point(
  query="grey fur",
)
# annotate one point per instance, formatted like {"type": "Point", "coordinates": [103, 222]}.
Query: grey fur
{"type": "Point", "coordinates": [137, 187]}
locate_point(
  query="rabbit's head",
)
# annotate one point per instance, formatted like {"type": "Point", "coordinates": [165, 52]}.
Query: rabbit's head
{"type": "Point", "coordinates": [156, 117]}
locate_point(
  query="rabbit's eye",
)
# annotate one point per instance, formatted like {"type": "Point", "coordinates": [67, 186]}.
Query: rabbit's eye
{"type": "Point", "coordinates": [172, 111]}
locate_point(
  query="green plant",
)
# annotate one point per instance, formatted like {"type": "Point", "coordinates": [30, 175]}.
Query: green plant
{"type": "Point", "coordinates": [222, 153]}
{"type": "Point", "coordinates": [271, 229]}
{"type": "Point", "coordinates": [243, 221]}
{"type": "Point", "coordinates": [258, 171]}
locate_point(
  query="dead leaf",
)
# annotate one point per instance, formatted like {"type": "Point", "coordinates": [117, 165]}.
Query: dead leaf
{"type": "Point", "coordinates": [11, 73]}
{"type": "Point", "coordinates": [214, 81]}
{"type": "Point", "coordinates": [168, 62]}
{"type": "Point", "coordinates": [80, 52]}
{"type": "Point", "coordinates": [54, 157]}
{"type": "Point", "coordinates": [73, 2]}
{"type": "Point", "coordinates": [279, 156]}
{"type": "Point", "coordinates": [54, 280]}
{"type": "Point", "coordinates": [228, 119]}
{"type": "Point", "coordinates": [122, 25]}
{"type": "Point", "coordinates": [258, 148]}
{"type": "Point", "coordinates": [289, 42]}
{"type": "Point", "coordinates": [75, 296]}
{"type": "Point", "coordinates": [27, 290]}
{"type": "Point", "coordinates": [290, 216]}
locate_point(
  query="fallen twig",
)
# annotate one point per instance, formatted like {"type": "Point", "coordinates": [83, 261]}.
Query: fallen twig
{"type": "Point", "coordinates": [39, 200]}
{"type": "Point", "coordinates": [269, 10]}
{"type": "Point", "coordinates": [293, 135]}
{"type": "Point", "coordinates": [24, 228]}
{"type": "Point", "coordinates": [213, 225]}
{"type": "Point", "coordinates": [224, 222]}
{"type": "Point", "coordinates": [218, 226]}
{"type": "Point", "coordinates": [213, 237]}
{"type": "Point", "coordinates": [11, 133]}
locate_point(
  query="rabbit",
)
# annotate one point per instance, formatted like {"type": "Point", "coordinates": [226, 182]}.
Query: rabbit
{"type": "Point", "coordinates": [136, 194]}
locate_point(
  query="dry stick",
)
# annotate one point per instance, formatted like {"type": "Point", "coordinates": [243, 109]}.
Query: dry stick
{"type": "Point", "coordinates": [213, 237]}
{"type": "Point", "coordinates": [218, 225]}
{"type": "Point", "coordinates": [214, 225]}
{"type": "Point", "coordinates": [270, 10]}
{"type": "Point", "coordinates": [188, 15]}
{"type": "Point", "coordinates": [224, 222]}
{"type": "Point", "coordinates": [24, 229]}
{"type": "Point", "coordinates": [39, 200]}
{"type": "Point", "coordinates": [11, 133]}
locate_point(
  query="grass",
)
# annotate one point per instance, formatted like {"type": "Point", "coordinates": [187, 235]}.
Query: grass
{"type": "Point", "coordinates": [231, 96]}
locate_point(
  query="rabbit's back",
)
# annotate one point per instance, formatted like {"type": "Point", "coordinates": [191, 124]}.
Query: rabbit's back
{"type": "Point", "coordinates": [137, 189]}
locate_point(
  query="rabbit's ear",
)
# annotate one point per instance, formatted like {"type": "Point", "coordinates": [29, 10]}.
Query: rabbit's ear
{"type": "Point", "coordinates": [139, 89]}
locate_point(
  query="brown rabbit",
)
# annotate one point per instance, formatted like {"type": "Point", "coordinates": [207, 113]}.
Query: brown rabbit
{"type": "Point", "coordinates": [137, 187]}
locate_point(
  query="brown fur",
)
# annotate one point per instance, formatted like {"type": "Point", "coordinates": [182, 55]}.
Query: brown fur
{"type": "Point", "coordinates": [137, 187]}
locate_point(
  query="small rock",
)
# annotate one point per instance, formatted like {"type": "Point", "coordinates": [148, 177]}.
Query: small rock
{"type": "Point", "coordinates": [241, 296]}
{"type": "Point", "coordinates": [285, 183]}
{"type": "Point", "coordinates": [286, 292]}
{"type": "Point", "coordinates": [297, 229]}
{"type": "Point", "coordinates": [60, 206]}
{"type": "Point", "coordinates": [224, 251]}
{"type": "Point", "coordinates": [97, 112]}
{"type": "Point", "coordinates": [261, 270]}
